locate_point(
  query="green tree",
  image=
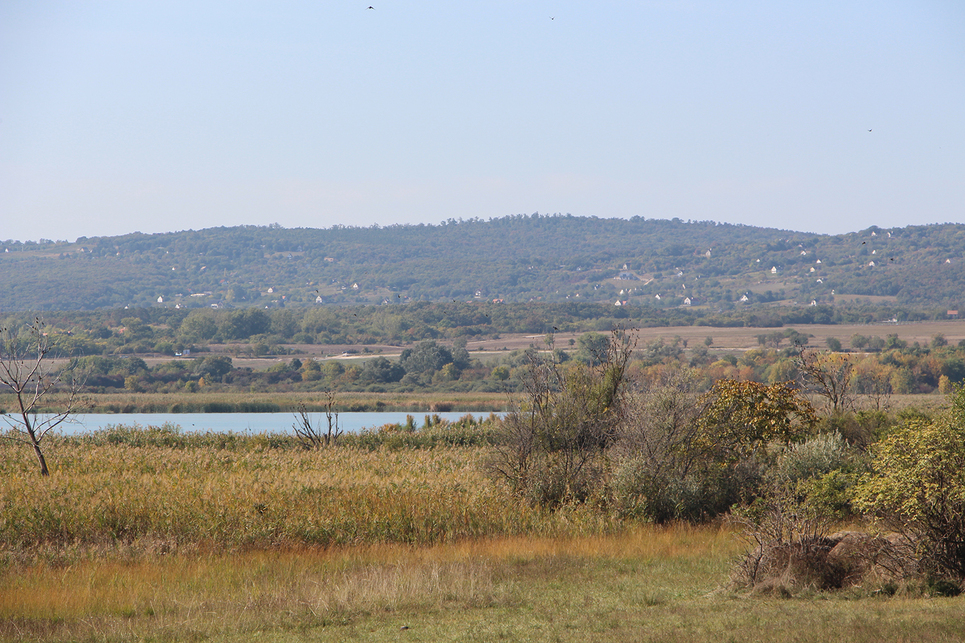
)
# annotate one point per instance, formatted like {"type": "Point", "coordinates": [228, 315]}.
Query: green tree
{"type": "Point", "coordinates": [917, 488]}
{"type": "Point", "coordinates": [243, 324]}
{"type": "Point", "coordinates": [197, 327]}
{"type": "Point", "coordinates": [214, 367]}
{"type": "Point", "coordinates": [426, 357]}
{"type": "Point", "coordinates": [136, 329]}
{"type": "Point", "coordinates": [656, 473]}
{"type": "Point", "coordinates": [381, 370]}
{"type": "Point", "coordinates": [284, 324]}
{"type": "Point", "coordinates": [500, 373]}
{"type": "Point", "coordinates": [902, 381]}
{"type": "Point", "coordinates": [592, 348]}
{"type": "Point", "coordinates": [892, 341]}
{"type": "Point", "coordinates": [460, 356]}
{"type": "Point", "coordinates": [783, 370]}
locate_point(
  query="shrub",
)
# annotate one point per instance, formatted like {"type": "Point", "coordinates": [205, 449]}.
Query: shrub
{"type": "Point", "coordinates": [820, 455]}
{"type": "Point", "coordinates": [552, 447]}
{"type": "Point", "coordinates": [655, 476]}
{"type": "Point", "coordinates": [917, 488]}
{"type": "Point", "coordinates": [641, 492]}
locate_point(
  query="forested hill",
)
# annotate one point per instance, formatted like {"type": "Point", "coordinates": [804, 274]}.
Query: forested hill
{"type": "Point", "coordinates": [647, 262]}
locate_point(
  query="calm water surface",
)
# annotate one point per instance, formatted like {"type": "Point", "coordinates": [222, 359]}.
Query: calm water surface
{"type": "Point", "coordinates": [247, 422]}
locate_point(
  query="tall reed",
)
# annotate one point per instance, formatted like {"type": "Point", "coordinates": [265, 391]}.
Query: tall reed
{"type": "Point", "coordinates": [163, 490]}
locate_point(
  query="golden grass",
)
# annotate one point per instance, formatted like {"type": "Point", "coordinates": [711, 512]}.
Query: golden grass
{"type": "Point", "coordinates": [644, 584]}
{"type": "Point", "coordinates": [126, 543]}
{"type": "Point", "coordinates": [251, 497]}
{"type": "Point", "coordinates": [311, 587]}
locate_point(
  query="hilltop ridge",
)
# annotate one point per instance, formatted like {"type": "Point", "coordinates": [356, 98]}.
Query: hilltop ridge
{"type": "Point", "coordinates": [550, 258]}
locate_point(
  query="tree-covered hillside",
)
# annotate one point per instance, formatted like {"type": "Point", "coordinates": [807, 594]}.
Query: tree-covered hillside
{"type": "Point", "coordinates": [649, 262]}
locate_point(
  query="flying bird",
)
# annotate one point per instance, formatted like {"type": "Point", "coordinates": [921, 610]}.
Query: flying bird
{"type": "Point", "coordinates": [371, 7]}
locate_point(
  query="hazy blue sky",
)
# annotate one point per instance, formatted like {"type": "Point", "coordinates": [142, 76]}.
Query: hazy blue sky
{"type": "Point", "coordinates": [169, 115]}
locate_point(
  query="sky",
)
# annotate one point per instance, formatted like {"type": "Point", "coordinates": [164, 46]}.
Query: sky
{"type": "Point", "coordinates": [813, 116]}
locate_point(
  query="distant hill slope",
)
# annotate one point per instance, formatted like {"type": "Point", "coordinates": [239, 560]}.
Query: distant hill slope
{"type": "Point", "coordinates": [650, 262]}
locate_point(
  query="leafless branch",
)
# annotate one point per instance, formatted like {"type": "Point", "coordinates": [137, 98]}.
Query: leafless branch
{"type": "Point", "coordinates": [24, 371]}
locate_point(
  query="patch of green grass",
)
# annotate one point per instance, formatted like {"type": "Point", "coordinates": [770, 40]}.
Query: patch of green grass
{"type": "Point", "coordinates": [634, 586]}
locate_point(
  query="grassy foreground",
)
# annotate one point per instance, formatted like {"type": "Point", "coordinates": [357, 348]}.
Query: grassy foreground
{"type": "Point", "coordinates": [148, 535]}
{"type": "Point", "coordinates": [645, 584]}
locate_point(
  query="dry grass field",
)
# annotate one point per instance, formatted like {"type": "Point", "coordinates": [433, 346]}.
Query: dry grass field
{"type": "Point", "coordinates": [245, 542]}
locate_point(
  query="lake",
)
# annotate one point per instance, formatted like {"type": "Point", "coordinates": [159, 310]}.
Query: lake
{"type": "Point", "coordinates": [247, 422]}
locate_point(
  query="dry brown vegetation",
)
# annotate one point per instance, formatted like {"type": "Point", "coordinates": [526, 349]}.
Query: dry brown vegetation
{"type": "Point", "coordinates": [128, 542]}
{"type": "Point", "coordinates": [252, 495]}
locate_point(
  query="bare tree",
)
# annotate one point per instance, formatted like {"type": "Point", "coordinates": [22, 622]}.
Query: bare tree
{"type": "Point", "coordinates": [828, 375]}
{"type": "Point", "coordinates": [661, 422]}
{"type": "Point", "coordinates": [311, 432]}
{"type": "Point", "coordinates": [25, 370]}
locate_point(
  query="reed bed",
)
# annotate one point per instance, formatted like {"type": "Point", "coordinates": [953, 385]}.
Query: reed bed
{"type": "Point", "coordinates": [244, 401]}
{"type": "Point", "coordinates": [252, 494]}
{"type": "Point", "coordinates": [150, 534]}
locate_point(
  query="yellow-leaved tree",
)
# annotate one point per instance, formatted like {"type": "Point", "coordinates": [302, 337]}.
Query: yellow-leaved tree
{"type": "Point", "coordinates": [917, 488]}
